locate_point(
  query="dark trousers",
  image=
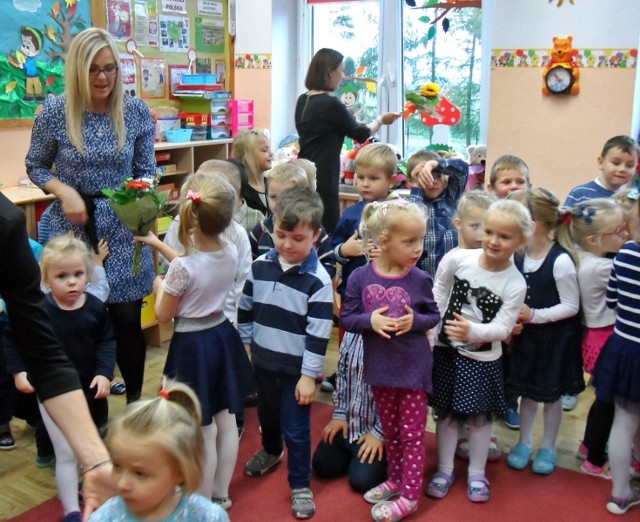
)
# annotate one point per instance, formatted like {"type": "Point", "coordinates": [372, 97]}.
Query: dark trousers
{"type": "Point", "coordinates": [281, 417]}
{"type": "Point", "coordinates": [597, 430]}
{"type": "Point", "coordinates": [340, 458]}
{"type": "Point", "coordinates": [7, 387]}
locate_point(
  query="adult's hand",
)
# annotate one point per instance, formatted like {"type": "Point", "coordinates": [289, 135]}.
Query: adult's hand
{"type": "Point", "coordinates": [97, 488]}
{"type": "Point", "coordinates": [389, 117]}
{"type": "Point", "coordinates": [73, 206]}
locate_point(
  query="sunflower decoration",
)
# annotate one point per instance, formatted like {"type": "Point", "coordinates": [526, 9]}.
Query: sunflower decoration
{"type": "Point", "coordinates": [434, 107]}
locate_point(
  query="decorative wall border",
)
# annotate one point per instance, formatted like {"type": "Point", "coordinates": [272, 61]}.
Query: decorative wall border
{"type": "Point", "coordinates": [596, 58]}
{"type": "Point", "coordinates": [252, 61]}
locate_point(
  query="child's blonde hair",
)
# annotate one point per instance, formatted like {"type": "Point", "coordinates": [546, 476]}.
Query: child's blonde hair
{"type": "Point", "coordinates": [590, 218]}
{"type": "Point", "coordinates": [61, 247]}
{"type": "Point", "coordinates": [418, 157]}
{"type": "Point", "coordinates": [382, 217]}
{"type": "Point", "coordinates": [228, 170]}
{"type": "Point", "coordinates": [245, 148]}
{"type": "Point", "coordinates": [379, 156]}
{"type": "Point", "coordinates": [288, 174]}
{"type": "Point", "coordinates": [508, 162]}
{"type": "Point", "coordinates": [472, 200]}
{"type": "Point", "coordinates": [170, 422]}
{"type": "Point", "coordinates": [517, 211]}
{"type": "Point", "coordinates": [626, 198]}
{"type": "Point", "coordinates": [207, 202]}
{"type": "Point", "coordinates": [310, 169]}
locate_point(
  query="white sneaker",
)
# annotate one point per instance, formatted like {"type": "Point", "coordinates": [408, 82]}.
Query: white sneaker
{"type": "Point", "coordinates": [569, 402]}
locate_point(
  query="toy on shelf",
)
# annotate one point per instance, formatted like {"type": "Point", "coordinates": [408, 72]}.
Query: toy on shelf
{"type": "Point", "coordinates": [477, 164]}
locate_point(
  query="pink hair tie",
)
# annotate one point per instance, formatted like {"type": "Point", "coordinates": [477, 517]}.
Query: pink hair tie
{"type": "Point", "coordinates": [194, 196]}
{"type": "Point", "coordinates": [568, 217]}
{"type": "Point", "coordinates": [164, 394]}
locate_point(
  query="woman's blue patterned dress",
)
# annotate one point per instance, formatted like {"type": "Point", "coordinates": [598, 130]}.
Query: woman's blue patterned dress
{"type": "Point", "coordinates": [101, 166]}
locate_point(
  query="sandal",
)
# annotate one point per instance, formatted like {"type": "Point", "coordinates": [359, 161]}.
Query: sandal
{"type": "Point", "coordinates": [545, 462]}
{"type": "Point", "coordinates": [382, 492]}
{"type": "Point", "coordinates": [7, 442]}
{"type": "Point", "coordinates": [520, 456]}
{"type": "Point", "coordinates": [224, 502]}
{"type": "Point", "coordinates": [478, 488]}
{"type": "Point", "coordinates": [392, 511]}
{"type": "Point", "coordinates": [439, 485]}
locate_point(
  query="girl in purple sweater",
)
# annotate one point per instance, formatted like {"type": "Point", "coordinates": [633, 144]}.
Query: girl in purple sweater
{"type": "Point", "coordinates": [390, 303]}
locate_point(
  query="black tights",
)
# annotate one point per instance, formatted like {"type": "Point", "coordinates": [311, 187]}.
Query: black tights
{"type": "Point", "coordinates": [596, 434]}
{"type": "Point", "coordinates": [131, 346]}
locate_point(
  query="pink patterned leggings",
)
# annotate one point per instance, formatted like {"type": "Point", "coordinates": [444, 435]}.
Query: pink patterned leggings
{"type": "Point", "coordinates": [403, 414]}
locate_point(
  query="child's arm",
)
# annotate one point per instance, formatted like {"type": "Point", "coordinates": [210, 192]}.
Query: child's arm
{"type": "Point", "coordinates": [254, 240]}
{"type": "Point", "coordinates": [425, 314]}
{"type": "Point", "coordinates": [238, 236]}
{"type": "Point", "coordinates": [245, 311]}
{"type": "Point", "coordinates": [166, 303]}
{"type": "Point", "coordinates": [154, 242]}
{"type": "Point", "coordinates": [340, 399]}
{"type": "Point", "coordinates": [105, 358]}
{"type": "Point", "coordinates": [353, 319]}
{"type": "Point", "coordinates": [100, 288]}
{"type": "Point", "coordinates": [325, 253]}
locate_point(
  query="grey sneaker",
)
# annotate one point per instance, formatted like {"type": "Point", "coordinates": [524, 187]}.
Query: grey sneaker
{"type": "Point", "coordinates": [302, 505]}
{"type": "Point", "coordinates": [261, 463]}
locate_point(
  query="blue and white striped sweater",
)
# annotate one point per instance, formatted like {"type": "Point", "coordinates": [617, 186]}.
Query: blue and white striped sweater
{"type": "Point", "coordinates": [287, 316]}
{"type": "Point", "coordinates": [623, 291]}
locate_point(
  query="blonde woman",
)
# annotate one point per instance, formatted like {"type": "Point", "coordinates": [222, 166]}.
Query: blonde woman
{"type": "Point", "coordinates": [94, 137]}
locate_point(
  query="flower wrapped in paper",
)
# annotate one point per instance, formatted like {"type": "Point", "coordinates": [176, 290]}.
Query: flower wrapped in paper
{"type": "Point", "coordinates": [137, 204]}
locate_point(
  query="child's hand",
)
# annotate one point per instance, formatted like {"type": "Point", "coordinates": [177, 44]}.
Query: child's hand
{"type": "Point", "coordinates": [382, 324]}
{"type": "Point", "coordinates": [150, 240]}
{"type": "Point", "coordinates": [352, 247]}
{"type": "Point", "coordinates": [102, 386]}
{"type": "Point", "coordinates": [373, 250]}
{"type": "Point", "coordinates": [457, 329]}
{"type": "Point", "coordinates": [405, 323]}
{"type": "Point", "coordinates": [103, 251]}
{"type": "Point", "coordinates": [525, 314]}
{"type": "Point", "coordinates": [370, 447]}
{"type": "Point", "coordinates": [305, 390]}
{"type": "Point", "coordinates": [517, 329]}
{"type": "Point", "coordinates": [22, 383]}
{"type": "Point", "coordinates": [333, 428]}
{"type": "Point", "coordinates": [422, 175]}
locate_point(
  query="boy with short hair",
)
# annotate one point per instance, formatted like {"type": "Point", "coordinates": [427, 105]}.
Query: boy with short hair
{"type": "Point", "coordinates": [617, 164]}
{"type": "Point", "coordinates": [508, 174]}
{"type": "Point", "coordinates": [285, 317]}
{"type": "Point", "coordinates": [280, 178]}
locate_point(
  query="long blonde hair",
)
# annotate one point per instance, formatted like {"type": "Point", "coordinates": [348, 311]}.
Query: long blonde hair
{"type": "Point", "coordinates": [245, 147]}
{"type": "Point", "coordinates": [82, 51]}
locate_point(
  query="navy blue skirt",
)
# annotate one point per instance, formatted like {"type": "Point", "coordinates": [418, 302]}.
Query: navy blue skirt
{"type": "Point", "coordinates": [617, 372]}
{"type": "Point", "coordinates": [215, 364]}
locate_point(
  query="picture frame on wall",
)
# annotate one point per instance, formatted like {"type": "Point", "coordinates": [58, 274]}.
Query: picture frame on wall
{"type": "Point", "coordinates": [153, 78]}
{"type": "Point", "coordinates": [176, 72]}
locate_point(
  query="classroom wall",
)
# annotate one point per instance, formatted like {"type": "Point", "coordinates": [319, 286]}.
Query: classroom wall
{"type": "Point", "coordinates": [560, 137]}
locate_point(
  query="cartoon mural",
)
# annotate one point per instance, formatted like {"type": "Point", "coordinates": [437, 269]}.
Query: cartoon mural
{"type": "Point", "coordinates": [33, 52]}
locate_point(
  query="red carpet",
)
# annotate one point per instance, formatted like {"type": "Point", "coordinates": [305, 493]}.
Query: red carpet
{"type": "Point", "coordinates": [521, 496]}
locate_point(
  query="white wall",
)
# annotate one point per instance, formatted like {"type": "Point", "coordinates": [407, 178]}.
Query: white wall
{"type": "Point", "coordinates": [253, 26]}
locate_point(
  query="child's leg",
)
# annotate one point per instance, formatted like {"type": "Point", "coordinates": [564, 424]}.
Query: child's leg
{"type": "Point", "coordinates": [387, 407]}
{"type": "Point", "coordinates": [412, 422]}
{"type": "Point", "coordinates": [552, 420]}
{"type": "Point", "coordinates": [597, 430]}
{"type": "Point", "coordinates": [623, 432]}
{"type": "Point", "coordinates": [446, 437]}
{"type": "Point", "coordinates": [528, 412]}
{"type": "Point", "coordinates": [479, 440]}
{"type": "Point", "coordinates": [210, 435]}
{"type": "Point", "coordinates": [66, 465]}
{"type": "Point", "coordinates": [296, 430]}
{"type": "Point", "coordinates": [270, 410]}
{"type": "Point", "coordinates": [227, 450]}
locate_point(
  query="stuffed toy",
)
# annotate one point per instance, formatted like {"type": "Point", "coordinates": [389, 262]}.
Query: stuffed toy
{"type": "Point", "coordinates": [477, 162]}
{"type": "Point", "coordinates": [349, 170]}
{"type": "Point", "coordinates": [284, 155]}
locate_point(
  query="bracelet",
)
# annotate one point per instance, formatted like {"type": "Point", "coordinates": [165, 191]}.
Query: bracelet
{"type": "Point", "coordinates": [84, 471]}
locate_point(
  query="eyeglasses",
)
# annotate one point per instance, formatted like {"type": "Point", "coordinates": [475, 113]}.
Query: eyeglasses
{"type": "Point", "coordinates": [109, 70]}
{"type": "Point", "coordinates": [621, 231]}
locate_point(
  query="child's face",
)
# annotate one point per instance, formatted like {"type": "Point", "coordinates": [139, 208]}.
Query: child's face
{"type": "Point", "coordinates": [67, 279]}
{"type": "Point", "coordinates": [508, 181]}
{"type": "Point", "coordinates": [437, 187]}
{"type": "Point", "coordinates": [145, 478]}
{"type": "Point", "coordinates": [501, 238]}
{"type": "Point", "coordinates": [264, 156]}
{"type": "Point", "coordinates": [403, 247]}
{"type": "Point", "coordinates": [615, 234]}
{"type": "Point", "coordinates": [470, 228]}
{"type": "Point", "coordinates": [617, 168]}
{"type": "Point", "coordinates": [294, 245]}
{"type": "Point", "coordinates": [275, 189]}
{"type": "Point", "coordinates": [372, 183]}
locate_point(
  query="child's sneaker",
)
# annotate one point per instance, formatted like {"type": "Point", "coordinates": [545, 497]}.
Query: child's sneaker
{"type": "Point", "coordinates": [7, 442]}
{"type": "Point", "coordinates": [302, 505]}
{"type": "Point", "coordinates": [45, 461]}
{"type": "Point", "coordinates": [73, 516]}
{"type": "Point", "coordinates": [261, 463]}
{"type": "Point", "coordinates": [596, 471]}
{"type": "Point", "coordinates": [224, 502]}
{"type": "Point", "coordinates": [393, 511]}
{"type": "Point", "coordinates": [619, 506]}
{"type": "Point", "coordinates": [582, 451]}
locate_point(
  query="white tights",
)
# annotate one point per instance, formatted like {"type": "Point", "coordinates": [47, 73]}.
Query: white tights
{"type": "Point", "coordinates": [479, 440]}
{"type": "Point", "coordinates": [552, 419]}
{"type": "Point", "coordinates": [66, 465]}
{"type": "Point", "coordinates": [221, 446]}
{"type": "Point", "coordinates": [623, 432]}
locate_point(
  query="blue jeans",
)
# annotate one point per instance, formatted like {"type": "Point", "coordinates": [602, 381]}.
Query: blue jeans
{"type": "Point", "coordinates": [282, 417]}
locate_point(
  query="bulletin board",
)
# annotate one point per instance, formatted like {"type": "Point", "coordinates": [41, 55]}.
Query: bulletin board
{"type": "Point", "coordinates": [154, 38]}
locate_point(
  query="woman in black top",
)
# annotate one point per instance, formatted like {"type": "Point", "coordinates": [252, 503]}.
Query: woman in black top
{"type": "Point", "coordinates": [323, 122]}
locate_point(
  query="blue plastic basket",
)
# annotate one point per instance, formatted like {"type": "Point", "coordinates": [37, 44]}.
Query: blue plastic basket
{"type": "Point", "coordinates": [178, 135]}
{"type": "Point", "coordinates": [199, 79]}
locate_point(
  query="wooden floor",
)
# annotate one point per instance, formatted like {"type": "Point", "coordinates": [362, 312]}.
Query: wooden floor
{"type": "Point", "coordinates": [24, 486]}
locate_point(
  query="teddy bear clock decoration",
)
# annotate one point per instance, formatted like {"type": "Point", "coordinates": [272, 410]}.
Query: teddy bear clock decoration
{"type": "Point", "coordinates": [561, 75]}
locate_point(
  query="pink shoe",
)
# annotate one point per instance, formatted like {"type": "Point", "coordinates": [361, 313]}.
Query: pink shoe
{"type": "Point", "coordinates": [393, 511]}
{"type": "Point", "coordinates": [596, 471]}
{"type": "Point", "coordinates": [382, 492]}
{"type": "Point", "coordinates": [582, 452]}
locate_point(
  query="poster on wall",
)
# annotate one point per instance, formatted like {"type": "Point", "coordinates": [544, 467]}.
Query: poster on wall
{"type": "Point", "coordinates": [174, 34]}
{"type": "Point", "coordinates": [32, 54]}
{"type": "Point", "coordinates": [221, 72]}
{"type": "Point", "coordinates": [174, 6]}
{"type": "Point", "coordinates": [119, 19]}
{"type": "Point", "coordinates": [203, 65]}
{"type": "Point", "coordinates": [209, 35]}
{"type": "Point", "coordinates": [152, 78]}
{"type": "Point", "coordinates": [146, 22]}
{"type": "Point", "coordinates": [128, 73]}
{"type": "Point", "coordinates": [176, 72]}
{"type": "Point", "coordinates": [210, 7]}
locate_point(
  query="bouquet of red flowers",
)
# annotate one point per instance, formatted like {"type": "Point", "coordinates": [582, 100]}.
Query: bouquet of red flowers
{"type": "Point", "coordinates": [137, 204]}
